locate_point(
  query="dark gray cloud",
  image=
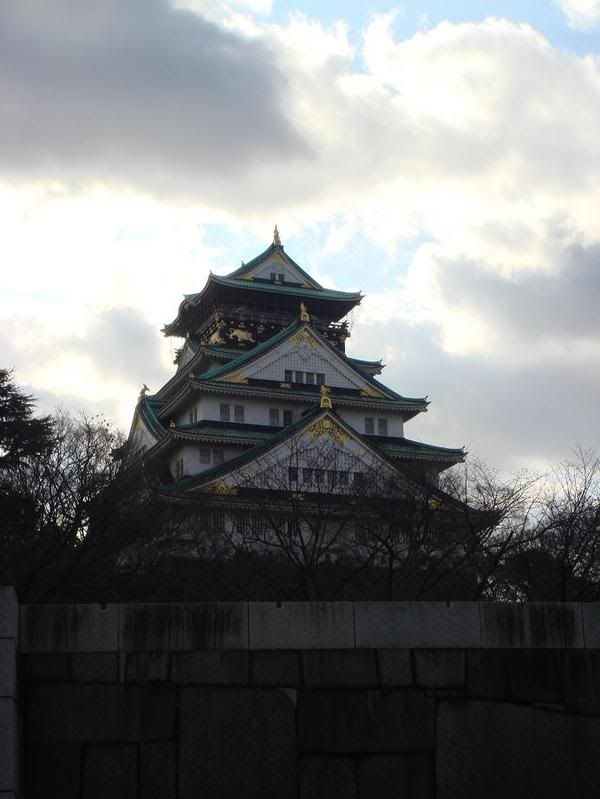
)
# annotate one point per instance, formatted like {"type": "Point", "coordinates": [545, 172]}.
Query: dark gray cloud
{"type": "Point", "coordinates": [557, 305]}
{"type": "Point", "coordinates": [135, 91]}
{"type": "Point", "coordinates": [507, 412]}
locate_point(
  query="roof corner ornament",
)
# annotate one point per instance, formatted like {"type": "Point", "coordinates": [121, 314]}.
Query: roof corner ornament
{"type": "Point", "coordinates": [172, 424]}
{"type": "Point", "coordinates": [276, 239]}
{"type": "Point", "coordinates": [325, 398]}
{"type": "Point", "coordinates": [144, 391]}
{"type": "Point", "coordinates": [304, 315]}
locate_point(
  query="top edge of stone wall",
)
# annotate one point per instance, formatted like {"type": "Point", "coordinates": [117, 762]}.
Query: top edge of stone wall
{"type": "Point", "coordinates": [139, 627]}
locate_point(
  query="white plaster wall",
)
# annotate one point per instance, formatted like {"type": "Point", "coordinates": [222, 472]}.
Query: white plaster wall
{"type": "Point", "coordinates": [191, 457]}
{"type": "Point", "coordinates": [356, 419]}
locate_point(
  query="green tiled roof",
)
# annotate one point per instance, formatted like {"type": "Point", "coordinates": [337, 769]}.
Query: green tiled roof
{"type": "Point", "coordinates": [277, 288]}
{"type": "Point", "coordinates": [398, 447]}
{"type": "Point", "coordinates": [264, 256]}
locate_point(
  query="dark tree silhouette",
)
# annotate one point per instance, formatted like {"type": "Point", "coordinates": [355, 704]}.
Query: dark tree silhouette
{"type": "Point", "coordinates": [22, 435]}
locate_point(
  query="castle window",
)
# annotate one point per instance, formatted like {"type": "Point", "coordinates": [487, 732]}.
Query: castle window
{"type": "Point", "coordinates": [288, 418]}
{"type": "Point", "coordinates": [310, 378]}
{"type": "Point", "coordinates": [331, 477]}
{"type": "Point", "coordinates": [218, 457]}
{"type": "Point", "coordinates": [382, 427]}
{"type": "Point", "coordinates": [238, 413]}
{"type": "Point", "coordinates": [281, 277]}
{"type": "Point", "coordinates": [306, 476]}
{"type": "Point", "coordinates": [193, 415]}
{"type": "Point", "coordinates": [359, 479]}
{"type": "Point", "coordinates": [299, 377]}
{"type": "Point", "coordinates": [179, 468]}
{"type": "Point", "coordinates": [369, 426]}
{"type": "Point", "coordinates": [289, 376]}
{"type": "Point", "coordinates": [204, 456]}
{"type": "Point", "coordinates": [273, 277]}
{"type": "Point", "coordinates": [320, 379]}
{"type": "Point", "coordinates": [293, 474]}
{"type": "Point", "coordinates": [342, 478]}
{"type": "Point", "coordinates": [274, 417]}
{"type": "Point", "coordinates": [225, 412]}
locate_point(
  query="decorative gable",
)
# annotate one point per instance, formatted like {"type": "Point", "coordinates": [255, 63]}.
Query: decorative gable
{"type": "Point", "coordinates": [277, 267]}
{"type": "Point", "coordinates": [309, 359]}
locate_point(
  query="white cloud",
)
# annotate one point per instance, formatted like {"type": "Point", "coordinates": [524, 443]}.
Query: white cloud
{"type": "Point", "coordinates": [582, 15]}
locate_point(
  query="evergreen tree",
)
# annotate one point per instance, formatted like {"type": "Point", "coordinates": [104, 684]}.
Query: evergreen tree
{"type": "Point", "coordinates": [21, 434]}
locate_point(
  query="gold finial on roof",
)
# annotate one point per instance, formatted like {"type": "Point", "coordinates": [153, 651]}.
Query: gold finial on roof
{"type": "Point", "coordinates": [325, 398]}
{"type": "Point", "coordinates": [276, 239]}
{"type": "Point", "coordinates": [304, 315]}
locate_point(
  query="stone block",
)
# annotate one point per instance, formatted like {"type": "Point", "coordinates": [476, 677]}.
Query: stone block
{"type": "Point", "coordinates": [210, 668]}
{"type": "Point", "coordinates": [273, 668]}
{"type": "Point", "coordinates": [9, 745]}
{"type": "Point", "coordinates": [354, 668]}
{"type": "Point", "coordinates": [535, 675]}
{"type": "Point", "coordinates": [158, 771]}
{"type": "Point", "coordinates": [582, 681]}
{"type": "Point", "coordinates": [412, 625]}
{"type": "Point", "coordinates": [327, 778]}
{"type": "Point", "coordinates": [395, 668]}
{"type": "Point", "coordinates": [147, 667]}
{"type": "Point", "coordinates": [495, 750]}
{"type": "Point", "coordinates": [301, 625]}
{"type": "Point", "coordinates": [590, 612]}
{"type": "Point", "coordinates": [97, 712]}
{"type": "Point", "coordinates": [365, 721]}
{"type": "Point", "coordinates": [110, 770]}
{"type": "Point", "coordinates": [9, 612]}
{"type": "Point", "coordinates": [53, 771]}
{"type": "Point", "coordinates": [391, 776]}
{"type": "Point", "coordinates": [532, 625]}
{"type": "Point", "coordinates": [46, 668]}
{"type": "Point", "coordinates": [440, 668]}
{"type": "Point", "coordinates": [243, 748]}
{"type": "Point", "coordinates": [8, 667]}
{"type": "Point", "coordinates": [171, 627]}
{"type": "Point", "coordinates": [487, 674]}
{"type": "Point", "coordinates": [69, 628]}
{"type": "Point", "coordinates": [95, 667]}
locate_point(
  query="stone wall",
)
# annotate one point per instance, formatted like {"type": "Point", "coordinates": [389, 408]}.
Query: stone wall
{"type": "Point", "coordinates": [308, 700]}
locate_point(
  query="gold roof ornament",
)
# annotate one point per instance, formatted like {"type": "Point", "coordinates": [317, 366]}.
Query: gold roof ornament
{"type": "Point", "coordinates": [276, 239]}
{"type": "Point", "coordinates": [172, 424]}
{"type": "Point", "coordinates": [325, 398]}
{"type": "Point", "coordinates": [304, 315]}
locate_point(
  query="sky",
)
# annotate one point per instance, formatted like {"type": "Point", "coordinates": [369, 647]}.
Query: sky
{"type": "Point", "coordinates": [443, 157]}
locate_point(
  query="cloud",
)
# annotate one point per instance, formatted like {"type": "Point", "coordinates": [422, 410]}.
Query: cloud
{"type": "Point", "coordinates": [135, 93]}
{"type": "Point", "coordinates": [583, 15]}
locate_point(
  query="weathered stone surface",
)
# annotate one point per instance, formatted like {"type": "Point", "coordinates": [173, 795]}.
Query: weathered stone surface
{"type": "Point", "coordinates": [339, 669]}
{"type": "Point", "coordinates": [46, 668]}
{"type": "Point", "coordinates": [244, 746]}
{"type": "Point", "coordinates": [487, 674]}
{"type": "Point", "coordinates": [69, 628]}
{"type": "Point", "coordinates": [8, 667]}
{"type": "Point", "coordinates": [52, 771]}
{"type": "Point", "coordinates": [158, 771]}
{"type": "Point", "coordinates": [393, 776]}
{"type": "Point", "coordinates": [9, 612]}
{"type": "Point", "coordinates": [535, 675]}
{"type": "Point", "coordinates": [327, 778]}
{"type": "Point", "coordinates": [532, 625]}
{"type": "Point", "coordinates": [582, 681]}
{"type": "Point", "coordinates": [440, 668]}
{"type": "Point", "coordinates": [365, 721]}
{"type": "Point", "coordinates": [210, 668]}
{"type": "Point", "coordinates": [80, 712]}
{"type": "Point", "coordinates": [273, 668]}
{"type": "Point", "coordinates": [411, 625]}
{"type": "Point", "coordinates": [95, 667]}
{"type": "Point", "coordinates": [395, 669]}
{"type": "Point", "coordinates": [301, 625]}
{"type": "Point", "coordinates": [147, 667]}
{"type": "Point", "coordinates": [495, 750]}
{"type": "Point", "coordinates": [171, 627]}
{"type": "Point", "coordinates": [110, 772]}
{"type": "Point", "coordinates": [9, 736]}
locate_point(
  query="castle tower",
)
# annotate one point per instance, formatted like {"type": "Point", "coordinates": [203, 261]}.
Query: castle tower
{"type": "Point", "coordinates": [263, 367]}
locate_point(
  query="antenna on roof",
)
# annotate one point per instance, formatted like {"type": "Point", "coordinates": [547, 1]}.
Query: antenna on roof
{"type": "Point", "coordinates": [276, 239]}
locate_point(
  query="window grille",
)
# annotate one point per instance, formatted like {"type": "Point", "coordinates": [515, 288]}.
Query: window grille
{"type": "Point", "coordinates": [218, 457]}
{"type": "Point", "coordinates": [288, 418]}
{"type": "Point", "coordinates": [204, 456]}
{"type": "Point", "coordinates": [274, 417]}
{"type": "Point", "coordinates": [369, 425]}
{"type": "Point", "coordinates": [238, 413]}
{"type": "Point", "coordinates": [225, 412]}
{"type": "Point", "coordinates": [382, 427]}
